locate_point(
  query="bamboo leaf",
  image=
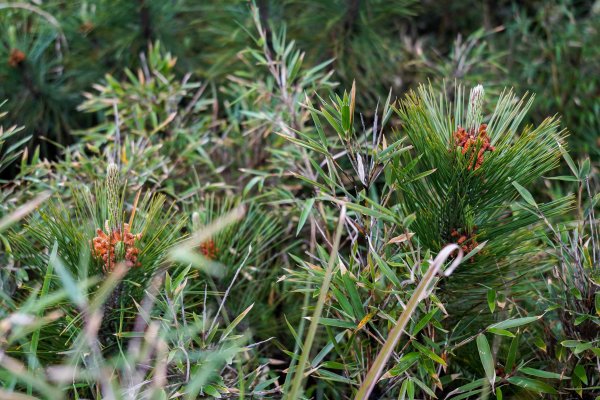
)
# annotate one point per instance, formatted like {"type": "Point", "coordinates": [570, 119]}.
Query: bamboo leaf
{"type": "Point", "coordinates": [501, 332]}
{"type": "Point", "coordinates": [308, 205]}
{"type": "Point", "coordinates": [424, 387]}
{"type": "Point", "coordinates": [467, 387]}
{"type": "Point", "coordinates": [532, 384]}
{"type": "Point", "coordinates": [386, 270]}
{"type": "Point", "coordinates": [365, 320]}
{"type": "Point", "coordinates": [407, 361]}
{"type": "Point", "coordinates": [401, 238]}
{"type": "Point", "coordinates": [336, 323]}
{"type": "Point", "coordinates": [235, 322]}
{"type": "Point", "coordinates": [525, 194]}
{"type": "Point", "coordinates": [513, 323]}
{"type": "Point", "coordinates": [485, 354]}
{"type": "Point", "coordinates": [579, 372]}
{"type": "Point", "coordinates": [423, 322]}
{"type": "Point", "coordinates": [541, 374]}
{"type": "Point", "coordinates": [569, 161]}
{"type": "Point", "coordinates": [429, 353]}
{"type": "Point", "coordinates": [491, 299]}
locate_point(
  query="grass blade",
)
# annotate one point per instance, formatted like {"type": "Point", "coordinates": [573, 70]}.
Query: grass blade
{"type": "Point", "coordinates": [295, 390]}
{"type": "Point", "coordinates": [420, 292]}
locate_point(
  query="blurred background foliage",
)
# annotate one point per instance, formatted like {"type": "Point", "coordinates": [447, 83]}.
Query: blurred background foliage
{"type": "Point", "coordinates": [54, 50]}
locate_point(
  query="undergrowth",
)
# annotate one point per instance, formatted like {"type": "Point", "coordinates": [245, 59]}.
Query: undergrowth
{"type": "Point", "coordinates": [277, 235]}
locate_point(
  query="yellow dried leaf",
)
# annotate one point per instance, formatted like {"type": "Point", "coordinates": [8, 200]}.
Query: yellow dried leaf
{"type": "Point", "coordinates": [402, 238]}
{"type": "Point", "coordinates": [365, 320]}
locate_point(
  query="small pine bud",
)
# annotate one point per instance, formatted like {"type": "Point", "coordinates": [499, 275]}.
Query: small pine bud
{"type": "Point", "coordinates": [112, 192]}
{"type": "Point", "coordinates": [474, 112]}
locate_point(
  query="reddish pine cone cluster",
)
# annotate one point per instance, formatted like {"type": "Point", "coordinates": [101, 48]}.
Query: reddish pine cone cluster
{"type": "Point", "coordinates": [208, 249]}
{"type": "Point", "coordinates": [15, 58]}
{"type": "Point", "coordinates": [466, 242]}
{"type": "Point", "coordinates": [471, 140]}
{"type": "Point", "coordinates": [105, 247]}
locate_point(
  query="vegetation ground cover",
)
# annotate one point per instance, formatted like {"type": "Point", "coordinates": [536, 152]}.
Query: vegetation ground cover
{"type": "Point", "coordinates": [299, 199]}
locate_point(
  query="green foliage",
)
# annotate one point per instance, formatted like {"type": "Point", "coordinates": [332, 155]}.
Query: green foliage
{"type": "Point", "coordinates": [10, 153]}
{"type": "Point", "coordinates": [147, 123]}
{"type": "Point", "coordinates": [465, 196]}
{"type": "Point", "coordinates": [560, 63]}
{"type": "Point", "coordinates": [572, 293]}
{"type": "Point", "coordinates": [11, 196]}
{"type": "Point", "coordinates": [438, 188]}
{"type": "Point", "coordinates": [72, 232]}
{"type": "Point", "coordinates": [224, 225]}
{"type": "Point", "coordinates": [133, 296]}
{"type": "Point", "coordinates": [363, 38]}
